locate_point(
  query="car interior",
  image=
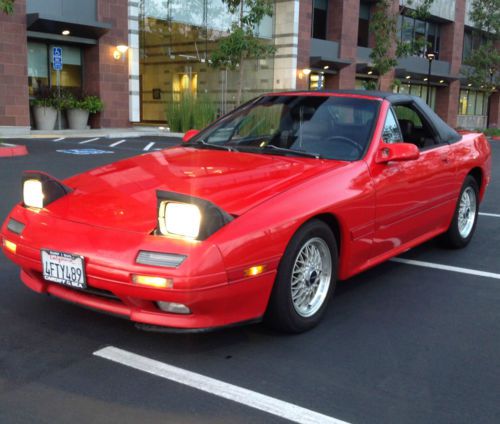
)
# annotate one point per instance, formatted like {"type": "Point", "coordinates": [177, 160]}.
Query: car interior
{"type": "Point", "coordinates": [414, 128]}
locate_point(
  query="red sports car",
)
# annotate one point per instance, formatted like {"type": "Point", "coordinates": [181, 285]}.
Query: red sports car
{"type": "Point", "coordinates": [255, 217]}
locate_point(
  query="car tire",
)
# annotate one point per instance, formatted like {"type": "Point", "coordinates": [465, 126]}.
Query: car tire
{"type": "Point", "coordinates": [464, 221]}
{"type": "Point", "coordinates": [306, 279]}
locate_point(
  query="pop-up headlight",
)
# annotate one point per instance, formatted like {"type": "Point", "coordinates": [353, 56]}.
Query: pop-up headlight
{"type": "Point", "coordinates": [33, 193]}
{"type": "Point", "coordinates": [40, 189]}
{"type": "Point", "coordinates": [188, 216]}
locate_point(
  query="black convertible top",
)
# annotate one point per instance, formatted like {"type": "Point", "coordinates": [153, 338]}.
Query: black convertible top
{"type": "Point", "coordinates": [444, 131]}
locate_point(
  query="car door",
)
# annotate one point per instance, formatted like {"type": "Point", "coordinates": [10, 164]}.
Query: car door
{"type": "Point", "coordinates": [412, 197]}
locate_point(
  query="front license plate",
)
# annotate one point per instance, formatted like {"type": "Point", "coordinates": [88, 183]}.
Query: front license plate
{"type": "Point", "coordinates": [64, 268]}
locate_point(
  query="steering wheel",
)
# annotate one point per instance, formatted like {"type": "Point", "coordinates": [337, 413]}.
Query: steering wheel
{"type": "Point", "coordinates": [347, 140]}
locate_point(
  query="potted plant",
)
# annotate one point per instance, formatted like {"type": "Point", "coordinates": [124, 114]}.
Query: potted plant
{"type": "Point", "coordinates": [45, 109]}
{"type": "Point", "coordinates": [79, 109]}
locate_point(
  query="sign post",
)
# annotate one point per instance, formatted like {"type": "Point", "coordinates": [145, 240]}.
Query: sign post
{"type": "Point", "coordinates": [57, 64]}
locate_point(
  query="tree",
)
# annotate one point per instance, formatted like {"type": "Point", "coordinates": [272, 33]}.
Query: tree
{"type": "Point", "coordinates": [484, 61]}
{"type": "Point", "coordinates": [384, 27]}
{"type": "Point", "coordinates": [242, 43]}
{"type": "Point", "coordinates": [7, 6]}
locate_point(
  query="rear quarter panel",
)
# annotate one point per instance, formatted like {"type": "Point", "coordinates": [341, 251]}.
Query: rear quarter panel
{"type": "Point", "coordinates": [472, 152]}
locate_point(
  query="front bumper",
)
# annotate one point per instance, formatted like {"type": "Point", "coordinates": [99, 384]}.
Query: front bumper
{"type": "Point", "coordinates": [214, 300]}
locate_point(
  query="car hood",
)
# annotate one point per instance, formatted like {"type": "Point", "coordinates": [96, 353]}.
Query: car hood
{"type": "Point", "coordinates": [123, 194]}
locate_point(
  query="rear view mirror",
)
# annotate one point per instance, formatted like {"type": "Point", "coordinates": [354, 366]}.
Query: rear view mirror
{"type": "Point", "coordinates": [397, 152]}
{"type": "Point", "coordinates": [189, 135]}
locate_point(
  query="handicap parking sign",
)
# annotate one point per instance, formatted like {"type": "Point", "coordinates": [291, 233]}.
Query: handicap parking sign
{"type": "Point", "coordinates": [57, 59]}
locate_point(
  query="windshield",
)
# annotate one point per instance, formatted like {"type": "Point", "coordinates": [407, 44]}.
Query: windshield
{"type": "Point", "coordinates": [331, 127]}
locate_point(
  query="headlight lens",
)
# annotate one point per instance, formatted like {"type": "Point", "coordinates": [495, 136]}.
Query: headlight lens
{"type": "Point", "coordinates": [188, 216]}
{"type": "Point", "coordinates": [33, 193]}
{"type": "Point", "coordinates": [181, 219]}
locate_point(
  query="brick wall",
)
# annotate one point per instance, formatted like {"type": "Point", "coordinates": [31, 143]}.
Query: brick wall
{"type": "Point", "coordinates": [304, 42]}
{"type": "Point", "coordinates": [104, 75]}
{"type": "Point", "coordinates": [14, 101]}
{"type": "Point", "coordinates": [451, 45]}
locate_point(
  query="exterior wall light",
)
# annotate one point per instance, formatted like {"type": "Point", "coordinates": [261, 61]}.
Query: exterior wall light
{"type": "Point", "coordinates": [120, 52]}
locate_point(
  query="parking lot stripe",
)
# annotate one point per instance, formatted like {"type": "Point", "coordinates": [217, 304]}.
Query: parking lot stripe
{"type": "Point", "coordinates": [149, 146]}
{"type": "Point", "coordinates": [494, 215]}
{"type": "Point", "coordinates": [59, 139]}
{"type": "Point", "coordinates": [215, 387]}
{"type": "Point", "coordinates": [447, 268]}
{"type": "Point", "coordinates": [117, 143]}
{"type": "Point", "coordinates": [88, 141]}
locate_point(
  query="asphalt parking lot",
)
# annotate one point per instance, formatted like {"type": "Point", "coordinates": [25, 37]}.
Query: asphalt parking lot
{"type": "Point", "coordinates": [405, 342]}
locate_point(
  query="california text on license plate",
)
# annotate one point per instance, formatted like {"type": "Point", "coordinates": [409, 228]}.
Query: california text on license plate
{"type": "Point", "coordinates": [64, 268]}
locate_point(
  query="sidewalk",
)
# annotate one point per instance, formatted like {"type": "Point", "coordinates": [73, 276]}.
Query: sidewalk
{"type": "Point", "coordinates": [138, 131]}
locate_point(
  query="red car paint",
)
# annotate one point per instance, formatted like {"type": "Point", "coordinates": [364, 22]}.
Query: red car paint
{"type": "Point", "coordinates": [380, 210]}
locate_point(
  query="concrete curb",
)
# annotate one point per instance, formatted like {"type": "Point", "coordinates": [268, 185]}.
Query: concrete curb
{"type": "Point", "coordinates": [10, 150]}
{"type": "Point", "coordinates": [91, 133]}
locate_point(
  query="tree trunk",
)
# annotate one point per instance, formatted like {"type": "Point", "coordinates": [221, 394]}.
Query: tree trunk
{"type": "Point", "coordinates": [240, 84]}
{"type": "Point", "coordinates": [241, 72]}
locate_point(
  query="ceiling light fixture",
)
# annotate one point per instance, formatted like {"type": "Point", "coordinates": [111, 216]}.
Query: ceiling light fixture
{"type": "Point", "coordinates": [66, 32]}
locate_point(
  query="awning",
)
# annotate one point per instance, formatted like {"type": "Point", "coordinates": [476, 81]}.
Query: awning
{"type": "Point", "coordinates": [44, 23]}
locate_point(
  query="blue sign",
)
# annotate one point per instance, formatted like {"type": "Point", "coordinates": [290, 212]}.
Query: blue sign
{"type": "Point", "coordinates": [57, 59]}
{"type": "Point", "coordinates": [57, 64]}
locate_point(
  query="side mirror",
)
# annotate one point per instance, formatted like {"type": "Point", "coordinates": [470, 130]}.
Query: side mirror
{"type": "Point", "coordinates": [397, 152]}
{"type": "Point", "coordinates": [189, 135]}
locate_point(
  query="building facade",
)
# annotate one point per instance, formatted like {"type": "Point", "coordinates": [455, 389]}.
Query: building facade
{"type": "Point", "coordinates": [320, 44]}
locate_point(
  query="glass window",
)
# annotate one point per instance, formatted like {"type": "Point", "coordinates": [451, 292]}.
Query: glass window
{"type": "Point", "coordinates": [407, 29]}
{"type": "Point", "coordinates": [38, 74]}
{"type": "Point", "coordinates": [462, 109]}
{"type": "Point", "coordinates": [364, 25]}
{"type": "Point", "coordinates": [414, 29]}
{"type": "Point", "coordinates": [480, 103]}
{"type": "Point", "coordinates": [391, 133]}
{"type": "Point", "coordinates": [319, 19]}
{"type": "Point", "coordinates": [404, 112]}
{"type": "Point", "coordinates": [333, 127]}
{"type": "Point", "coordinates": [471, 102]}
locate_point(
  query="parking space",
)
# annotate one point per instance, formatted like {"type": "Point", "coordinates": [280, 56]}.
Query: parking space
{"type": "Point", "coordinates": [400, 343]}
{"type": "Point", "coordinates": [64, 145]}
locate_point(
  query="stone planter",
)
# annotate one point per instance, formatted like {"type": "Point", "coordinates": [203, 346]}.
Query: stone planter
{"type": "Point", "coordinates": [77, 118]}
{"type": "Point", "coordinates": [45, 117]}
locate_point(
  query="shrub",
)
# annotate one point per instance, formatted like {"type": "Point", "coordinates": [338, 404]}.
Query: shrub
{"type": "Point", "coordinates": [190, 112]}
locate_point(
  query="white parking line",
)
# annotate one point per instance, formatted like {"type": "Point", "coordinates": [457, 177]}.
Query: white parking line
{"type": "Point", "coordinates": [88, 141]}
{"type": "Point", "coordinates": [59, 139]}
{"type": "Point", "coordinates": [149, 146]}
{"type": "Point", "coordinates": [447, 268]}
{"type": "Point", "coordinates": [215, 387]}
{"type": "Point", "coordinates": [494, 215]}
{"type": "Point", "coordinates": [117, 143]}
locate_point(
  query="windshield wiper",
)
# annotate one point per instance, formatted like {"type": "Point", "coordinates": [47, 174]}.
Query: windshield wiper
{"type": "Point", "coordinates": [199, 143]}
{"type": "Point", "coordinates": [291, 151]}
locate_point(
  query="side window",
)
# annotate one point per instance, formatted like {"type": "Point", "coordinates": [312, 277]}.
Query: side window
{"type": "Point", "coordinates": [391, 133]}
{"type": "Point", "coordinates": [414, 128]}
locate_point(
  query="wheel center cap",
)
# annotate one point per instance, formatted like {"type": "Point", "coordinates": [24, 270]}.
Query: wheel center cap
{"type": "Point", "coordinates": [310, 277]}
